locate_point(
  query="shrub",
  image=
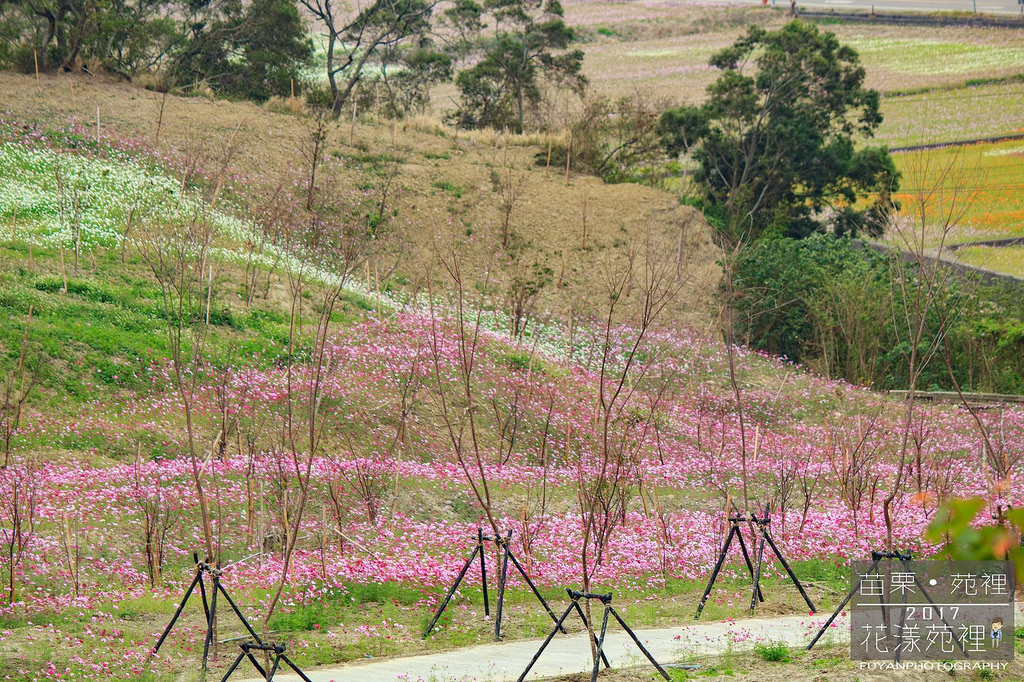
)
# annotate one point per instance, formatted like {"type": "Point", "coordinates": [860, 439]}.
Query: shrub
{"type": "Point", "coordinates": [773, 652]}
{"type": "Point", "coordinates": [837, 307]}
{"type": "Point", "coordinates": [616, 140]}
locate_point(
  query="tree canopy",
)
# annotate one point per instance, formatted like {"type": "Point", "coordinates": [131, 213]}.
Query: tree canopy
{"type": "Point", "coordinates": [254, 49]}
{"type": "Point", "coordinates": [529, 46]}
{"type": "Point", "coordinates": [775, 141]}
{"type": "Point", "coordinates": [370, 34]}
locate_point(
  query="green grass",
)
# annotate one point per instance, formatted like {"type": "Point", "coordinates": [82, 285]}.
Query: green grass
{"type": "Point", "coordinates": [919, 56]}
{"type": "Point", "coordinates": [1005, 259]}
{"type": "Point", "coordinates": [103, 335]}
{"type": "Point", "coordinates": [455, 190]}
{"type": "Point", "coordinates": [939, 114]}
{"type": "Point", "coordinates": [773, 652]}
{"type": "Point", "coordinates": [392, 597]}
{"type": "Point", "coordinates": [371, 162]}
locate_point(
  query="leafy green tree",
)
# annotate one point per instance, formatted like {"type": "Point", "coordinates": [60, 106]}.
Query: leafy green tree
{"type": "Point", "coordinates": [58, 29]}
{"type": "Point", "coordinates": [201, 53]}
{"type": "Point", "coordinates": [365, 36]}
{"type": "Point", "coordinates": [133, 36]}
{"type": "Point", "coordinates": [252, 52]}
{"type": "Point", "coordinates": [407, 73]}
{"type": "Point", "coordinates": [528, 48]}
{"type": "Point", "coordinates": [269, 48]}
{"type": "Point", "coordinates": [793, 298]}
{"type": "Point", "coordinates": [774, 142]}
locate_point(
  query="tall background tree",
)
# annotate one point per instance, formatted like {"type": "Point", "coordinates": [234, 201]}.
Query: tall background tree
{"type": "Point", "coordinates": [775, 141]}
{"type": "Point", "coordinates": [527, 49]}
{"type": "Point", "coordinates": [251, 50]}
{"type": "Point", "coordinates": [364, 36]}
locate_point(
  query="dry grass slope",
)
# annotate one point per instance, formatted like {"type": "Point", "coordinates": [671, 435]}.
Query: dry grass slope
{"type": "Point", "coordinates": [449, 194]}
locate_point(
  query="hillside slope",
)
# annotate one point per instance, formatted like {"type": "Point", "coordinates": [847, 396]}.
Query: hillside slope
{"type": "Point", "coordinates": [450, 185]}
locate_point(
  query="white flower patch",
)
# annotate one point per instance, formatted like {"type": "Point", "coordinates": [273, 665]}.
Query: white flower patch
{"type": "Point", "coordinates": [61, 196]}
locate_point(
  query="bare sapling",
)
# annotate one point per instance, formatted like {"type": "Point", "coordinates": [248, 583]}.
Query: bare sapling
{"type": "Point", "coordinates": [158, 518]}
{"type": "Point", "coordinates": [584, 197]}
{"type": "Point", "coordinates": [71, 549]}
{"type": "Point", "coordinates": [458, 403]}
{"type": "Point", "coordinates": [854, 454]}
{"type": "Point", "coordinates": [525, 282]}
{"type": "Point", "coordinates": [533, 511]}
{"type": "Point", "coordinates": [509, 186]}
{"type": "Point", "coordinates": [328, 241]}
{"type": "Point", "coordinates": [809, 480]}
{"type": "Point", "coordinates": [129, 219]}
{"type": "Point", "coordinates": [20, 496]}
{"type": "Point", "coordinates": [509, 408]}
{"type": "Point", "coordinates": [178, 257]}
{"type": "Point", "coordinates": [939, 200]}
{"type": "Point", "coordinates": [605, 466]}
{"type": "Point", "coordinates": [17, 387]}
{"type": "Point", "coordinates": [226, 155]}
{"type": "Point", "coordinates": [160, 118]}
{"type": "Point", "coordinates": [273, 209]}
{"type": "Point", "coordinates": [410, 375]}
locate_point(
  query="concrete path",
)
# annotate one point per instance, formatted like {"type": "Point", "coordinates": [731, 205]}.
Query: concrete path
{"type": "Point", "coordinates": [505, 661]}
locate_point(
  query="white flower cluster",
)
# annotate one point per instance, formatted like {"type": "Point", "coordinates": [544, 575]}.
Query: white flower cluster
{"type": "Point", "coordinates": [60, 196]}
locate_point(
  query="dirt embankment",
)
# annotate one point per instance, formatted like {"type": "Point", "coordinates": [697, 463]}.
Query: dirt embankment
{"type": "Point", "coordinates": [453, 188]}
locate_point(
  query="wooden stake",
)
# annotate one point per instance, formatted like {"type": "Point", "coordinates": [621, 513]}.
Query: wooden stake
{"type": "Point", "coordinates": [209, 294]}
{"type": "Point", "coordinates": [63, 270]}
{"type": "Point", "coordinates": [679, 253]}
{"type": "Point", "coordinates": [323, 540]}
{"type": "Point", "coordinates": [260, 524]}
{"type": "Point", "coordinates": [568, 349]}
{"type": "Point", "coordinates": [568, 158]}
{"type": "Point", "coordinates": [97, 125]}
{"type": "Point", "coordinates": [352, 126]}
{"type": "Point", "coordinates": [547, 164]}
{"type": "Point", "coordinates": [728, 499]}
{"type": "Point", "coordinates": [376, 288]}
{"type": "Point", "coordinates": [35, 56]}
{"type": "Point", "coordinates": [287, 523]}
{"type": "Point", "coordinates": [72, 83]}
{"type": "Point", "coordinates": [160, 120]}
{"type": "Point", "coordinates": [583, 199]}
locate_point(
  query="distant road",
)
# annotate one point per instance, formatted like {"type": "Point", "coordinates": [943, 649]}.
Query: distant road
{"type": "Point", "coordinates": [1000, 7]}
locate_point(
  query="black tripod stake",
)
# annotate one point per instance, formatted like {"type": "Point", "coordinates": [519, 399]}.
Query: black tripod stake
{"type": "Point", "coordinates": [734, 531]}
{"type": "Point", "coordinates": [505, 547]}
{"type": "Point", "coordinates": [757, 595]}
{"type": "Point", "coordinates": [876, 558]}
{"type": "Point", "coordinates": [205, 570]}
{"type": "Point", "coordinates": [574, 605]}
{"type": "Point", "coordinates": [277, 655]}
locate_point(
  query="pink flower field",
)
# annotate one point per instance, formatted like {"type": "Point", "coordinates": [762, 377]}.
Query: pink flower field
{"type": "Point", "coordinates": [393, 503]}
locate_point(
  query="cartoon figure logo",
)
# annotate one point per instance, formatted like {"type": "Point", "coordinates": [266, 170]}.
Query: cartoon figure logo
{"type": "Point", "coordinates": [996, 633]}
